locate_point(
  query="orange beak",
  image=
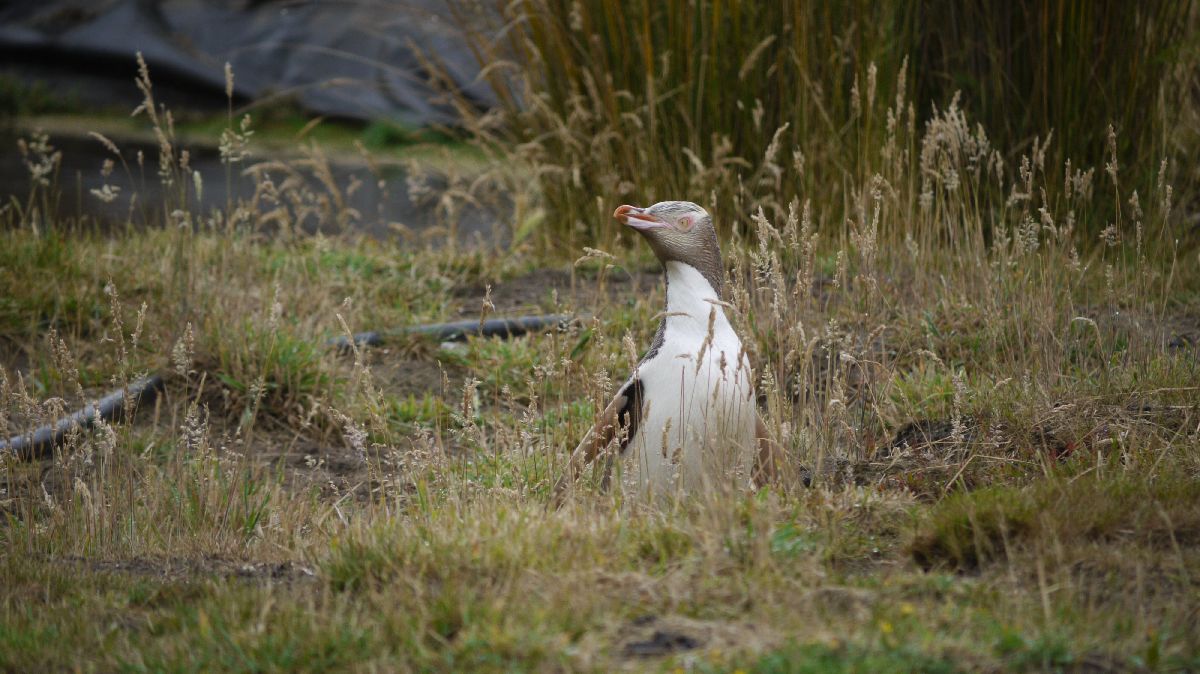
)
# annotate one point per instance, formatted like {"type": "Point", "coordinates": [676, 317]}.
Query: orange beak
{"type": "Point", "coordinates": [637, 218]}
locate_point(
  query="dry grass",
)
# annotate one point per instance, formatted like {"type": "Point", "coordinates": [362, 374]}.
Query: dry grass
{"type": "Point", "coordinates": [1001, 419]}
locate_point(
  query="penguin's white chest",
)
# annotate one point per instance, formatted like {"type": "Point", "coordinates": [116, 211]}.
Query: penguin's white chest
{"type": "Point", "coordinates": [697, 429]}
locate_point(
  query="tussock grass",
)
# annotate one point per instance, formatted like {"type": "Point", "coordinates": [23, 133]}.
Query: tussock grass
{"type": "Point", "coordinates": [746, 104]}
{"type": "Point", "coordinates": [1072, 515]}
{"type": "Point", "coordinates": [997, 411]}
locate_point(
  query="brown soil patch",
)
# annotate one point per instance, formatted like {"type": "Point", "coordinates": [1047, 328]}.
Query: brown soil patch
{"type": "Point", "coordinates": [187, 568]}
{"type": "Point", "coordinates": [533, 293]}
{"type": "Point", "coordinates": [402, 374]}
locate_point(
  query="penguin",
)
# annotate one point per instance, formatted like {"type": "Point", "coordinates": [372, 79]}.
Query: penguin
{"type": "Point", "coordinates": [686, 421]}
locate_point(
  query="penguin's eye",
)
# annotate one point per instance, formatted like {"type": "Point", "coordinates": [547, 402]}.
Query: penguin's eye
{"type": "Point", "coordinates": [685, 223]}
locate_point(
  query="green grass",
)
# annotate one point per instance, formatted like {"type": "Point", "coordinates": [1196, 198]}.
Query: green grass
{"type": "Point", "coordinates": [277, 131]}
{"type": "Point", "coordinates": [970, 529]}
{"type": "Point", "coordinates": [19, 98]}
{"type": "Point", "coordinates": [1060, 529]}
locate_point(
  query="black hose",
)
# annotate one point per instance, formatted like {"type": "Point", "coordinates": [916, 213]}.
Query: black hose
{"type": "Point", "coordinates": [457, 331]}
{"type": "Point", "coordinates": [42, 441]}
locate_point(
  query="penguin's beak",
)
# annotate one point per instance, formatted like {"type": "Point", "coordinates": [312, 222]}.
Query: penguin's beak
{"type": "Point", "coordinates": [638, 218]}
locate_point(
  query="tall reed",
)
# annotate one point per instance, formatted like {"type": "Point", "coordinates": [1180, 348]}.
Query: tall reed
{"type": "Point", "coordinates": [732, 104]}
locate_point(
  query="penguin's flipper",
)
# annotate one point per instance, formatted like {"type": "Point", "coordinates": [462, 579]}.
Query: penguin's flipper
{"type": "Point", "coordinates": [619, 420]}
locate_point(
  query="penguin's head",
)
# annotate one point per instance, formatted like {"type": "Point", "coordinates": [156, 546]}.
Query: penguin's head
{"type": "Point", "coordinates": [678, 231]}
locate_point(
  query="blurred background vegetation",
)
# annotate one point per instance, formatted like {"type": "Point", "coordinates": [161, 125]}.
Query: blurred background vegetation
{"type": "Point", "coordinates": [740, 105]}
{"type": "Point", "coordinates": [724, 101]}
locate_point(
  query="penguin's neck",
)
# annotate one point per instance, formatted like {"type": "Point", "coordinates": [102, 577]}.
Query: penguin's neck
{"type": "Point", "coordinates": [691, 298]}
